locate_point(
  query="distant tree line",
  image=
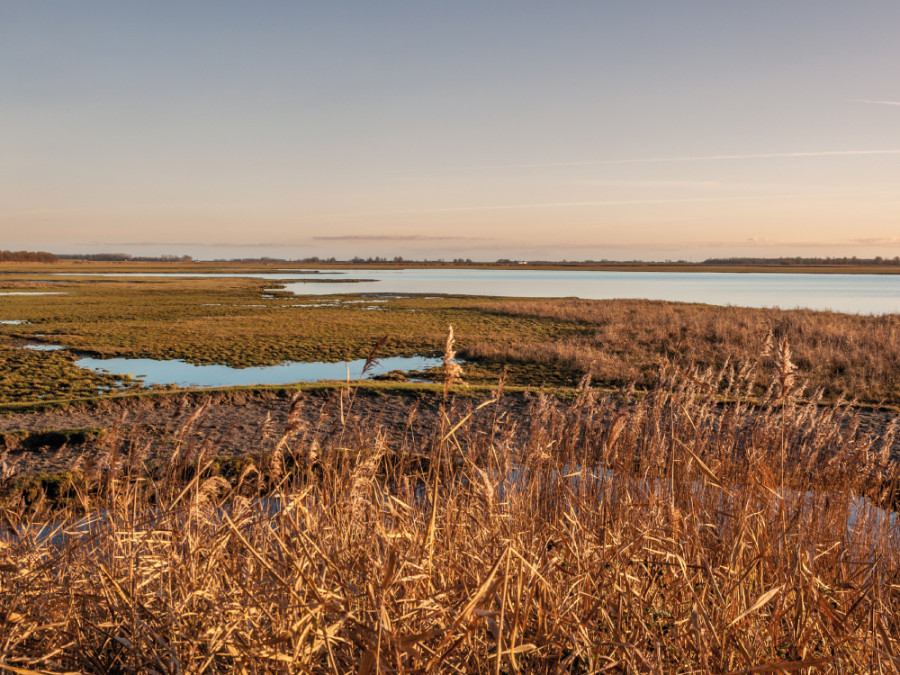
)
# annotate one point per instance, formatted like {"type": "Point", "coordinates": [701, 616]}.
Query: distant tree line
{"type": "Point", "coordinates": [27, 256]}
{"type": "Point", "coordinates": [43, 256]}
{"type": "Point", "coordinates": [98, 257]}
{"type": "Point", "coordinates": [124, 257]}
{"type": "Point", "coordinates": [378, 259]}
{"type": "Point", "coordinates": [846, 260]}
{"type": "Point", "coordinates": [269, 259]}
{"type": "Point", "coordinates": [164, 258]}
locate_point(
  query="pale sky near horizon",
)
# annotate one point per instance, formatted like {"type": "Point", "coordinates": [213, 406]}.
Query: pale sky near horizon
{"type": "Point", "coordinates": [605, 129]}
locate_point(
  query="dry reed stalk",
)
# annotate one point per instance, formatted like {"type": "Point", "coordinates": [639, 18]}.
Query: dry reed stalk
{"type": "Point", "coordinates": [453, 372]}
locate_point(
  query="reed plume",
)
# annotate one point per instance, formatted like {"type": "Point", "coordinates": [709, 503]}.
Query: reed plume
{"type": "Point", "coordinates": [453, 372]}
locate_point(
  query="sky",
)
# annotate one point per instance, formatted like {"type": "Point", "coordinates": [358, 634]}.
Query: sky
{"type": "Point", "coordinates": [599, 129]}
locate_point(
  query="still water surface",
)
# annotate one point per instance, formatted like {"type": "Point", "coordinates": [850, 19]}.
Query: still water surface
{"type": "Point", "coordinates": [856, 293]}
{"type": "Point", "coordinates": [183, 374]}
{"type": "Point", "coordinates": [33, 293]}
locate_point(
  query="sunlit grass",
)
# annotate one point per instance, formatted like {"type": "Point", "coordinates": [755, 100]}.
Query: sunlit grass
{"type": "Point", "coordinates": [668, 535]}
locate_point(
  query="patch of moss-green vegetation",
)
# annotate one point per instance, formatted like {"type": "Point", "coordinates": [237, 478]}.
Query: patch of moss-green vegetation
{"type": "Point", "coordinates": [239, 322]}
{"type": "Point", "coordinates": [27, 375]}
{"type": "Point", "coordinates": [243, 322]}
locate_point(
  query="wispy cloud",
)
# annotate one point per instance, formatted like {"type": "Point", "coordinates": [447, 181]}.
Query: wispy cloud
{"type": "Point", "coordinates": [866, 100]}
{"type": "Point", "coordinates": [395, 237]}
{"type": "Point", "coordinates": [795, 244]}
{"type": "Point", "coordinates": [543, 205]}
{"type": "Point", "coordinates": [695, 158]}
{"type": "Point", "coordinates": [205, 244]}
{"type": "Point", "coordinates": [749, 243]}
{"type": "Point", "coordinates": [653, 184]}
{"type": "Point", "coordinates": [877, 241]}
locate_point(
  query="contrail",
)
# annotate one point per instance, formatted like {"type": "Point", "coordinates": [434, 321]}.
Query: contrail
{"type": "Point", "coordinates": [394, 237]}
{"type": "Point", "coordinates": [694, 158]}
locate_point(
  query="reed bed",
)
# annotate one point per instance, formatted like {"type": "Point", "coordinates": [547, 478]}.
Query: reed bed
{"type": "Point", "coordinates": [626, 340]}
{"type": "Point", "coordinates": [667, 534]}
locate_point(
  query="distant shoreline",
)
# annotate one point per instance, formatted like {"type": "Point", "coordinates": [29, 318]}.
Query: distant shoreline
{"type": "Point", "coordinates": [88, 266]}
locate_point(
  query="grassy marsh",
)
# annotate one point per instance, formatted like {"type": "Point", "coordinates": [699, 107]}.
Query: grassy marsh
{"type": "Point", "coordinates": [626, 340]}
{"type": "Point", "coordinates": [228, 321]}
{"type": "Point", "coordinates": [237, 322]}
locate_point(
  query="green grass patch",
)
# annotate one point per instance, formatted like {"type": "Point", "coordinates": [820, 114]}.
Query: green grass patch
{"type": "Point", "coordinates": [228, 321]}
{"type": "Point", "coordinates": [242, 322]}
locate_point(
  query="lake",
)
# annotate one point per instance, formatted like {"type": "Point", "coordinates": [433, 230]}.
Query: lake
{"type": "Point", "coordinates": [854, 293]}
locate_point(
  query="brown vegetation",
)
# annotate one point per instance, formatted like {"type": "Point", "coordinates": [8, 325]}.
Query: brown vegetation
{"type": "Point", "coordinates": [627, 340]}
{"type": "Point", "coordinates": [673, 535]}
{"type": "Point", "coordinates": [27, 256]}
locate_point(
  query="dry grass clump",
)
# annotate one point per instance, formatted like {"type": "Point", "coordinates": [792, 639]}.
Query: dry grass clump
{"type": "Point", "coordinates": [668, 535]}
{"type": "Point", "coordinates": [626, 340]}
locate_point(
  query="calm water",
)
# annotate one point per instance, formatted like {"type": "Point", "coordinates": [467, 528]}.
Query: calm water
{"type": "Point", "coordinates": [856, 293]}
{"type": "Point", "coordinates": [33, 293]}
{"type": "Point", "coordinates": [182, 374]}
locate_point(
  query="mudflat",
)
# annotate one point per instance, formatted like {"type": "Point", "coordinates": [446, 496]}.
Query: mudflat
{"type": "Point", "coordinates": [228, 424]}
{"type": "Point", "coordinates": [223, 424]}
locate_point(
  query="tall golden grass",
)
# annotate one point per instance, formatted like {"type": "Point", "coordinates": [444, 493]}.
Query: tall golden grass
{"type": "Point", "coordinates": [627, 340]}
{"type": "Point", "coordinates": [672, 534]}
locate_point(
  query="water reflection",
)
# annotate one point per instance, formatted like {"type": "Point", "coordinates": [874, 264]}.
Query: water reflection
{"type": "Point", "coordinates": [183, 374]}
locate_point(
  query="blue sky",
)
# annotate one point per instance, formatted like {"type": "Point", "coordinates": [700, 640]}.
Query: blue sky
{"type": "Point", "coordinates": [494, 129]}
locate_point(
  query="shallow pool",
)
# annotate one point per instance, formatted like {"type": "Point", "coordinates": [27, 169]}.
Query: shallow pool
{"type": "Point", "coordinates": [183, 374]}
